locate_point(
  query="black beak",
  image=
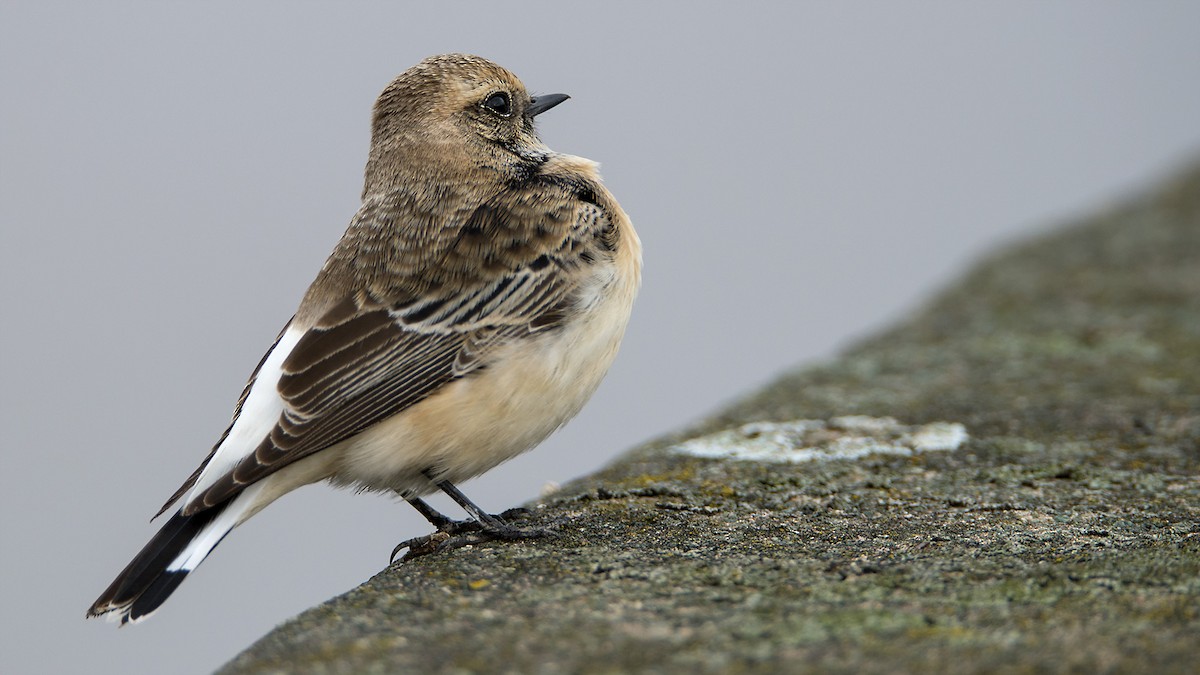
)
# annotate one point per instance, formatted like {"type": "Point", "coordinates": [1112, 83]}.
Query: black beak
{"type": "Point", "coordinates": [540, 104]}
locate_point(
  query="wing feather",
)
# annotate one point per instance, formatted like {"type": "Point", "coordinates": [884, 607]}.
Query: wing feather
{"type": "Point", "coordinates": [383, 349]}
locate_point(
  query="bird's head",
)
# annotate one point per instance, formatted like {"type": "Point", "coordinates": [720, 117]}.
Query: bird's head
{"type": "Point", "coordinates": [454, 111]}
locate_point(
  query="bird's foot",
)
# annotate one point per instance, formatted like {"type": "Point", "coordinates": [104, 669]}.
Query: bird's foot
{"type": "Point", "coordinates": [456, 527]}
{"type": "Point", "coordinates": [453, 534]}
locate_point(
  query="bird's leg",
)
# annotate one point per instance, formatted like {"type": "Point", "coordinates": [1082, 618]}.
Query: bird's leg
{"type": "Point", "coordinates": [482, 527]}
{"type": "Point", "coordinates": [450, 526]}
{"type": "Point", "coordinates": [431, 514]}
{"type": "Point", "coordinates": [487, 522]}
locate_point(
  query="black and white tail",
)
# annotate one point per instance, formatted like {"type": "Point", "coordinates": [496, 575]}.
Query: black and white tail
{"type": "Point", "coordinates": [155, 572]}
{"type": "Point", "coordinates": [185, 540]}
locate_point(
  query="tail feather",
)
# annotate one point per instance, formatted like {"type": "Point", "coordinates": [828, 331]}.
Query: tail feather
{"type": "Point", "coordinates": [155, 595]}
{"type": "Point", "coordinates": [155, 572]}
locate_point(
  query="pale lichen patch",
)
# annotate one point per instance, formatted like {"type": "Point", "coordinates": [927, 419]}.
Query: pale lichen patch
{"type": "Point", "coordinates": [849, 437]}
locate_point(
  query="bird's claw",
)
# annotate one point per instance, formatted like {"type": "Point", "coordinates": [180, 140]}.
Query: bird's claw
{"type": "Point", "coordinates": [418, 546]}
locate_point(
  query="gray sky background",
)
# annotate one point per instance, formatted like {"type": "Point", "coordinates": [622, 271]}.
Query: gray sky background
{"type": "Point", "coordinates": [172, 177]}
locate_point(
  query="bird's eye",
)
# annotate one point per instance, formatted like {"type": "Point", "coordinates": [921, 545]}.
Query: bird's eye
{"type": "Point", "coordinates": [499, 103]}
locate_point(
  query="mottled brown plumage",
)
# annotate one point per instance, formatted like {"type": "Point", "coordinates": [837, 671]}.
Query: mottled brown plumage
{"type": "Point", "coordinates": [471, 307]}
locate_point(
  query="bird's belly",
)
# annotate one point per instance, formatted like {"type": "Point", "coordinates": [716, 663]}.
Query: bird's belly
{"type": "Point", "coordinates": [493, 415]}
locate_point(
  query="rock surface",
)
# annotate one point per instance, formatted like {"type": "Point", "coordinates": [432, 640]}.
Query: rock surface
{"type": "Point", "coordinates": [1058, 528]}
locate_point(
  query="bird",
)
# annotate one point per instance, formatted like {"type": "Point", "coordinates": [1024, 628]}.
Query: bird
{"type": "Point", "coordinates": [474, 303]}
